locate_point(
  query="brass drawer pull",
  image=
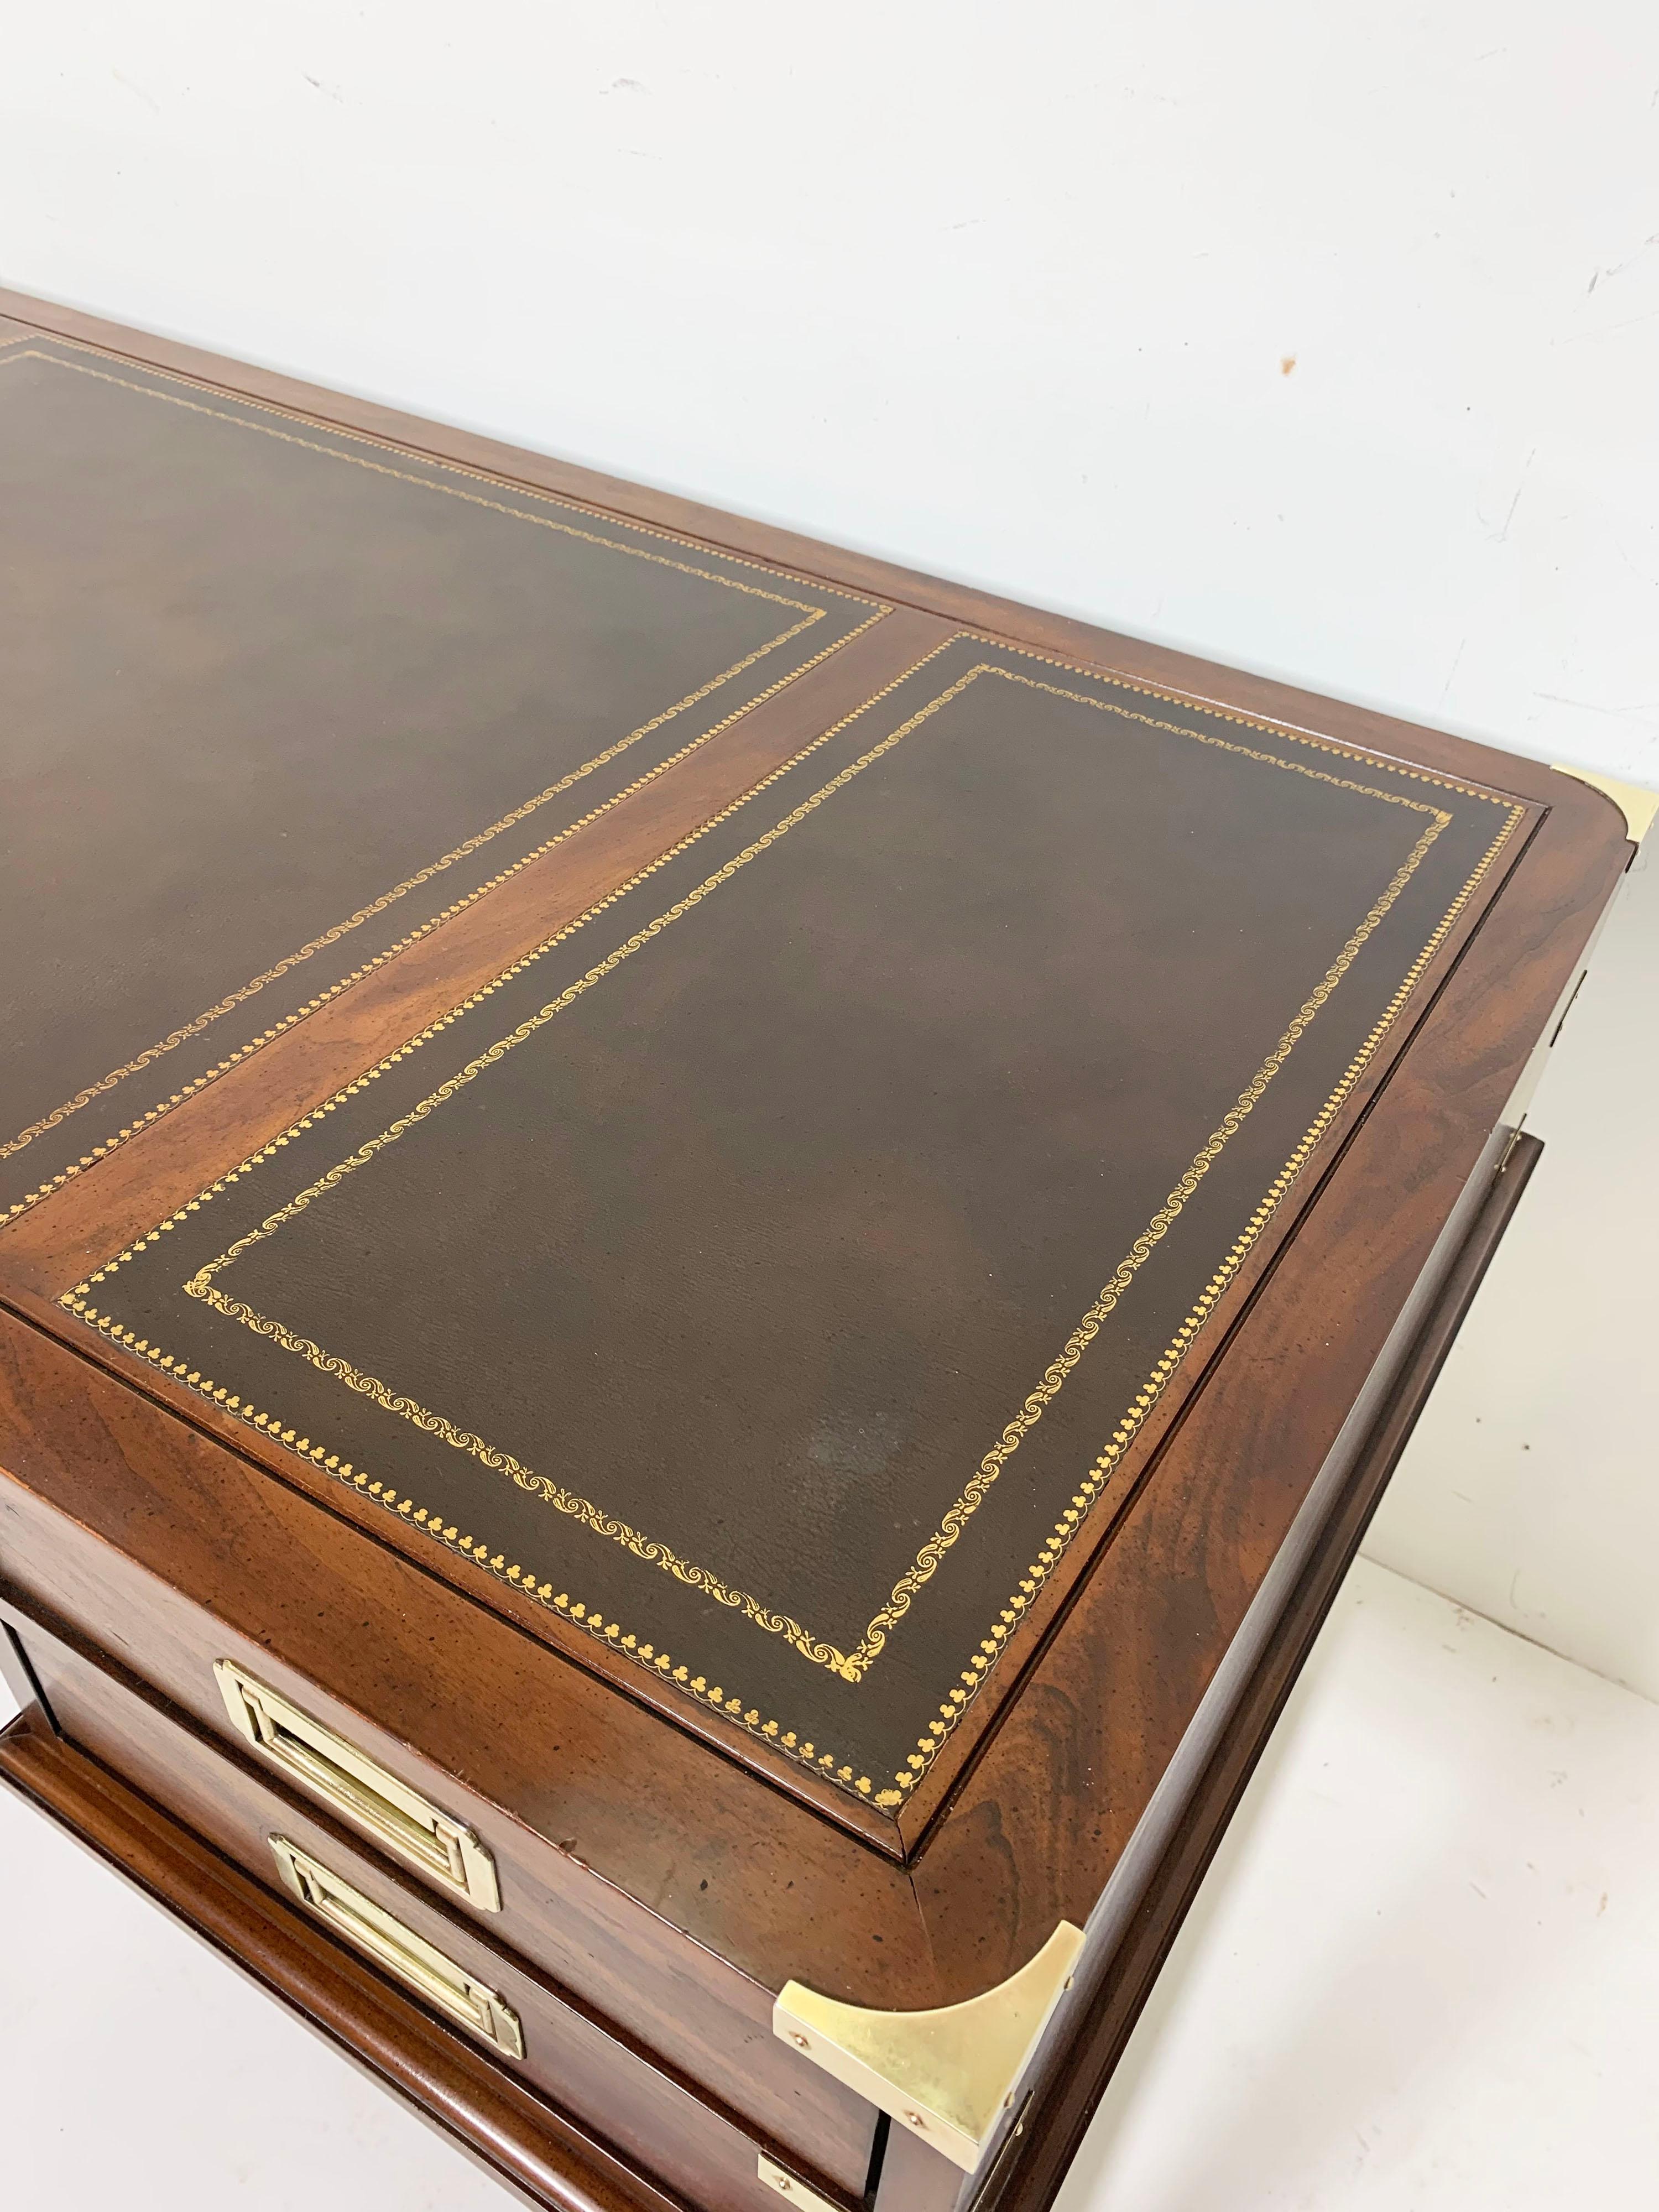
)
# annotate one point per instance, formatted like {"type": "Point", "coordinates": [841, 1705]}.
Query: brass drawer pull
{"type": "Point", "coordinates": [385, 1808]}
{"type": "Point", "coordinates": [408, 1957]}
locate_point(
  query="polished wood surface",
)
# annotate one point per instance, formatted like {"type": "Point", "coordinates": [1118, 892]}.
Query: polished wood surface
{"type": "Point", "coordinates": [1112, 1995]}
{"type": "Point", "coordinates": [87, 1437]}
{"type": "Point", "coordinates": [174, 1146]}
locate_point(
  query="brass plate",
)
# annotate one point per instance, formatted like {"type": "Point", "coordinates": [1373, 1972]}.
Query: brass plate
{"type": "Point", "coordinates": [946, 2074]}
{"type": "Point", "coordinates": [791, 2187]}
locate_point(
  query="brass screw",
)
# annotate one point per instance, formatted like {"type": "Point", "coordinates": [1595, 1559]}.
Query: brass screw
{"type": "Point", "coordinates": [914, 2120]}
{"type": "Point", "coordinates": [784, 2183]}
{"type": "Point", "coordinates": [799, 2040]}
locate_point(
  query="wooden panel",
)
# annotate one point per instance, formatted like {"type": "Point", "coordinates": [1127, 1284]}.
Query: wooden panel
{"type": "Point", "coordinates": [1115, 1985]}
{"type": "Point", "coordinates": [646, 2112]}
{"type": "Point", "coordinates": [1528, 970]}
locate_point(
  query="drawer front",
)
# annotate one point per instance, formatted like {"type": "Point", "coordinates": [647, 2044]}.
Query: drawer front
{"type": "Point", "coordinates": [691, 2009]}
{"type": "Point", "coordinates": [485, 1992]}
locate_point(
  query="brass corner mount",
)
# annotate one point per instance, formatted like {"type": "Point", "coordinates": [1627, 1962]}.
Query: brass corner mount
{"type": "Point", "coordinates": [947, 2075]}
{"type": "Point", "coordinates": [1637, 805]}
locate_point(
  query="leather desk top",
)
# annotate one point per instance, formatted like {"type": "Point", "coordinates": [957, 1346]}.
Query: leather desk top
{"type": "Point", "coordinates": [768, 1279]}
{"type": "Point", "coordinates": [771, 1270]}
{"type": "Point", "coordinates": [278, 698]}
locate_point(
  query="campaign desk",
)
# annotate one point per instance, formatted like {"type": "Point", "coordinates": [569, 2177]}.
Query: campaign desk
{"type": "Point", "coordinates": [710, 1256]}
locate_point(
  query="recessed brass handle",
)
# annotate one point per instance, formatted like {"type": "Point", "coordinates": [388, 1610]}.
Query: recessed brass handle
{"type": "Point", "coordinates": [360, 1789]}
{"type": "Point", "coordinates": [407, 1956]}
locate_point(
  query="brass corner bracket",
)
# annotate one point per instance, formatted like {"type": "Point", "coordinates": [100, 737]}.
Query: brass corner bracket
{"type": "Point", "coordinates": [945, 2075]}
{"type": "Point", "coordinates": [1637, 805]}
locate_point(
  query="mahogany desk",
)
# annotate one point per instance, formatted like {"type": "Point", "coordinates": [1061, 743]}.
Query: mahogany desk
{"type": "Point", "coordinates": [710, 1255]}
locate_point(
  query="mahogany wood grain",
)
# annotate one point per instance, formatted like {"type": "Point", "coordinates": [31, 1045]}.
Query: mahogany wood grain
{"type": "Point", "coordinates": [518, 2137]}
{"type": "Point", "coordinates": [648, 2111]}
{"type": "Point", "coordinates": [1515, 982]}
{"type": "Point", "coordinates": [1066, 2099]}
{"type": "Point", "coordinates": [1101, 1712]}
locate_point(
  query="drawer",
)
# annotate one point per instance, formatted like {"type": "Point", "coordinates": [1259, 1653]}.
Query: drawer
{"type": "Point", "coordinates": [430, 1946]}
{"type": "Point", "coordinates": [694, 2011]}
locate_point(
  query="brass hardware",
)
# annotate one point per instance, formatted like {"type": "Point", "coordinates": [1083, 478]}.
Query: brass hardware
{"type": "Point", "coordinates": [409, 1958]}
{"type": "Point", "coordinates": [360, 1789]}
{"type": "Point", "coordinates": [1637, 805]}
{"type": "Point", "coordinates": [787, 2185]}
{"type": "Point", "coordinates": [946, 2074]}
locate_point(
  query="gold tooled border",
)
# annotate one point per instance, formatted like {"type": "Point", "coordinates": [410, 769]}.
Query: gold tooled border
{"type": "Point", "coordinates": [850, 1665]}
{"type": "Point", "coordinates": [979, 1667]}
{"type": "Point", "coordinates": [810, 615]}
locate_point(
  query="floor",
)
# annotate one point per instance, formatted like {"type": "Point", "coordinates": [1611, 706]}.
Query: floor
{"type": "Point", "coordinates": [1419, 1978]}
{"type": "Point", "coordinates": [1420, 1975]}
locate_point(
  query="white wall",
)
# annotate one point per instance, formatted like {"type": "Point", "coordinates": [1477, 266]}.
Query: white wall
{"type": "Point", "coordinates": [1530, 1492]}
{"type": "Point", "coordinates": [1321, 340]}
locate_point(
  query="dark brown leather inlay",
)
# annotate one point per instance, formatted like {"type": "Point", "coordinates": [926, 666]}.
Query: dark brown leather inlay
{"type": "Point", "coordinates": [771, 1272]}
{"type": "Point", "coordinates": [277, 698]}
